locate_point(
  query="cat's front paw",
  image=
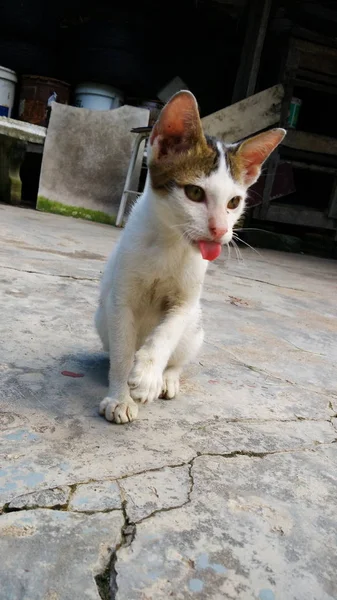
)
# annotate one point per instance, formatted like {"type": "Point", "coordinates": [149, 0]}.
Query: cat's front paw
{"type": "Point", "coordinates": [123, 411]}
{"type": "Point", "coordinates": [171, 382]}
{"type": "Point", "coordinates": [145, 380]}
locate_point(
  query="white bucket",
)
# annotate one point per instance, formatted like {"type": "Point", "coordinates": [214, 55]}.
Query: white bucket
{"type": "Point", "coordinates": [8, 80]}
{"type": "Point", "coordinates": [97, 96]}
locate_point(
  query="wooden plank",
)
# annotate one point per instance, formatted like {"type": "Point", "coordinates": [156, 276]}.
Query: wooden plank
{"type": "Point", "coordinates": [310, 142]}
{"type": "Point", "coordinates": [268, 185]}
{"type": "Point", "coordinates": [328, 160]}
{"type": "Point", "coordinates": [297, 164]}
{"type": "Point", "coordinates": [316, 57]}
{"type": "Point", "coordinates": [313, 75]}
{"type": "Point", "coordinates": [332, 210]}
{"type": "Point", "coordinates": [257, 22]}
{"type": "Point", "coordinates": [246, 117]}
{"type": "Point", "coordinates": [318, 38]}
{"type": "Point", "coordinates": [298, 215]}
{"type": "Point", "coordinates": [316, 85]}
{"type": "Point", "coordinates": [287, 76]}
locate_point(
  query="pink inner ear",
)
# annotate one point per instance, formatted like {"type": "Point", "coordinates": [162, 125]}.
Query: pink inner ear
{"type": "Point", "coordinates": [256, 150]}
{"type": "Point", "coordinates": [179, 118]}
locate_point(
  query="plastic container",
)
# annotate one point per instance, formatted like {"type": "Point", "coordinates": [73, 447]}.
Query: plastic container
{"type": "Point", "coordinates": [97, 96]}
{"type": "Point", "coordinates": [8, 80]}
{"type": "Point", "coordinates": [36, 96]}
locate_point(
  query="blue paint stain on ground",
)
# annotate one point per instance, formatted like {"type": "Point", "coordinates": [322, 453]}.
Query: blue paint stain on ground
{"type": "Point", "coordinates": [64, 466]}
{"type": "Point", "coordinates": [202, 561]}
{"type": "Point", "coordinates": [220, 569]}
{"type": "Point", "coordinates": [81, 501]}
{"type": "Point", "coordinates": [196, 585]}
{"type": "Point", "coordinates": [21, 434]}
{"type": "Point", "coordinates": [33, 479]}
{"type": "Point", "coordinates": [153, 575]}
{"type": "Point", "coordinates": [266, 595]}
{"type": "Point", "coordinates": [11, 476]}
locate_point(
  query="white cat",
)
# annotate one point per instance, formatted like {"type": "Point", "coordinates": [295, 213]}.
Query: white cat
{"type": "Point", "coordinates": [149, 316]}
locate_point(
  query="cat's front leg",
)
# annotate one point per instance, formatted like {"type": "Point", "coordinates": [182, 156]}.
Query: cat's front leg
{"type": "Point", "coordinates": [118, 406]}
{"type": "Point", "coordinates": [146, 377]}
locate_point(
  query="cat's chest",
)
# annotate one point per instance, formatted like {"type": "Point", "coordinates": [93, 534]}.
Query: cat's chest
{"type": "Point", "coordinates": [161, 293]}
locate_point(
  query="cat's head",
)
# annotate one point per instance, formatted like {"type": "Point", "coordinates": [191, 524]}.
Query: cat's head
{"type": "Point", "coordinates": [200, 184]}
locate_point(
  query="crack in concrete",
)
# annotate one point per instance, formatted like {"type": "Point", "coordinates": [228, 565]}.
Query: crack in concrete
{"type": "Point", "coordinates": [282, 287]}
{"type": "Point", "coordinates": [51, 274]}
{"type": "Point", "coordinates": [249, 420]}
{"type": "Point", "coordinates": [230, 454]}
{"type": "Point", "coordinates": [271, 375]}
{"type": "Point", "coordinates": [113, 567]}
{"type": "Point", "coordinates": [106, 582]}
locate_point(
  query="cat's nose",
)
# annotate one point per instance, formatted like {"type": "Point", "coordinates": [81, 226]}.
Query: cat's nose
{"type": "Point", "coordinates": [216, 231]}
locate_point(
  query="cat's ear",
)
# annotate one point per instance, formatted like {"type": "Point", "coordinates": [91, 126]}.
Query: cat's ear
{"type": "Point", "coordinates": [178, 127]}
{"type": "Point", "coordinates": [251, 153]}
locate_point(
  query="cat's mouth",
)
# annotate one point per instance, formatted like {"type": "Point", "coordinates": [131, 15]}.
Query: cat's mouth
{"type": "Point", "coordinates": [209, 250]}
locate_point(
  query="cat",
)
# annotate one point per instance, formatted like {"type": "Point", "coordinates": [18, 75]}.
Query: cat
{"type": "Point", "coordinates": [149, 316]}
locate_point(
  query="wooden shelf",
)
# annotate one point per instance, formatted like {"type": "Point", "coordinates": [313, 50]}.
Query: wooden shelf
{"type": "Point", "coordinates": [298, 215]}
{"type": "Point", "coordinates": [310, 142]}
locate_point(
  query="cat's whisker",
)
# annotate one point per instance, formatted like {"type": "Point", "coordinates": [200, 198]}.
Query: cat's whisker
{"type": "Point", "coordinates": [253, 229]}
{"type": "Point", "coordinates": [248, 245]}
{"type": "Point", "coordinates": [237, 251]}
{"type": "Point", "coordinates": [228, 252]}
{"type": "Point", "coordinates": [186, 224]}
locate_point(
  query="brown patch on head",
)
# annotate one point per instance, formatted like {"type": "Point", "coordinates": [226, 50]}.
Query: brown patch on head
{"type": "Point", "coordinates": [246, 158]}
{"type": "Point", "coordinates": [235, 163]}
{"type": "Point", "coordinates": [185, 167]}
{"type": "Point", "coordinates": [180, 152]}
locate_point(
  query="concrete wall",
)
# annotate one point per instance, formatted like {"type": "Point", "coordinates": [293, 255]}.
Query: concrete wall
{"type": "Point", "coordinates": [85, 160]}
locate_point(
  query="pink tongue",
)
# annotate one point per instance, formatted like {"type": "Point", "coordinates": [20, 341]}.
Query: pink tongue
{"type": "Point", "coordinates": [210, 250]}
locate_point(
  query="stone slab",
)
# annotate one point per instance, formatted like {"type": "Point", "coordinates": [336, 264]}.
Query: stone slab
{"type": "Point", "coordinates": [101, 143]}
{"type": "Point", "coordinates": [55, 497]}
{"type": "Point", "coordinates": [55, 555]}
{"type": "Point", "coordinates": [96, 496]}
{"type": "Point", "coordinates": [156, 490]}
{"type": "Point", "coordinates": [264, 383]}
{"type": "Point", "coordinates": [20, 130]}
{"type": "Point", "coordinates": [255, 529]}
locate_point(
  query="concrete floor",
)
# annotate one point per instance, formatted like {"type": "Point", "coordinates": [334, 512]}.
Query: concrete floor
{"type": "Point", "coordinates": [228, 492]}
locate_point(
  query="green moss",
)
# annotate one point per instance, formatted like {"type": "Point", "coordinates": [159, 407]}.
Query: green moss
{"type": "Point", "coordinates": [77, 212]}
{"type": "Point", "coordinates": [16, 189]}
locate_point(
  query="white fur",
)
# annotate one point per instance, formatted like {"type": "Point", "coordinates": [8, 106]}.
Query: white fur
{"type": "Point", "coordinates": [149, 316]}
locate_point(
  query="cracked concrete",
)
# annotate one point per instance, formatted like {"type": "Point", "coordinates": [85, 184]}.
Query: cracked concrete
{"type": "Point", "coordinates": [228, 492]}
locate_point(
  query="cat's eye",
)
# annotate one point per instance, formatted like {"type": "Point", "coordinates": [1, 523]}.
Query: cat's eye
{"type": "Point", "coordinates": [195, 193]}
{"type": "Point", "coordinates": [234, 202]}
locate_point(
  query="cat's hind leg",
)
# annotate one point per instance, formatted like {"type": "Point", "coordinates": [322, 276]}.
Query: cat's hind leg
{"type": "Point", "coordinates": [102, 327]}
{"type": "Point", "coordinates": [187, 349]}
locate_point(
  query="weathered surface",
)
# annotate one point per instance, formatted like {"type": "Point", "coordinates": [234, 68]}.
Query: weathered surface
{"type": "Point", "coordinates": [232, 487]}
{"type": "Point", "coordinates": [97, 496]}
{"type": "Point", "coordinates": [20, 130]}
{"type": "Point", "coordinates": [56, 497]}
{"type": "Point", "coordinates": [54, 555]}
{"type": "Point", "coordinates": [254, 529]}
{"type": "Point", "coordinates": [246, 117]}
{"type": "Point", "coordinates": [156, 490]}
{"type": "Point", "coordinates": [101, 144]}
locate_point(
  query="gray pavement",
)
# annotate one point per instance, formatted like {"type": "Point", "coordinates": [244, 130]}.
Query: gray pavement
{"type": "Point", "coordinates": [228, 492]}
